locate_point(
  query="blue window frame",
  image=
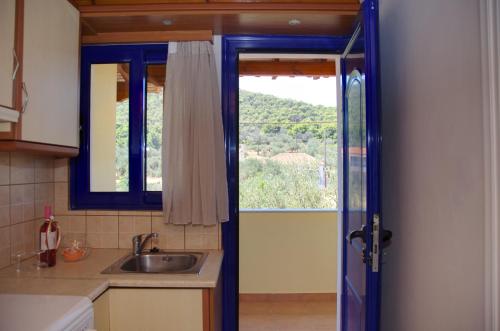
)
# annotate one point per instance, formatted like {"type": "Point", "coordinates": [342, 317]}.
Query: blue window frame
{"type": "Point", "coordinates": [137, 197]}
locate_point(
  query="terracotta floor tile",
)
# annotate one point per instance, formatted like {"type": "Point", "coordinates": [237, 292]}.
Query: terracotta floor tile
{"type": "Point", "coordinates": [289, 316]}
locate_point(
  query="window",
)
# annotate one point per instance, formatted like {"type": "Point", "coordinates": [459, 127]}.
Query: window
{"type": "Point", "coordinates": [287, 133]}
{"type": "Point", "coordinates": [119, 166]}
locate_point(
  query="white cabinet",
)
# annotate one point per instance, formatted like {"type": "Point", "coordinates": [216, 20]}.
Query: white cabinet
{"type": "Point", "coordinates": [159, 309]}
{"type": "Point", "coordinates": [7, 39]}
{"type": "Point", "coordinates": [132, 309]}
{"type": "Point", "coordinates": [50, 72]}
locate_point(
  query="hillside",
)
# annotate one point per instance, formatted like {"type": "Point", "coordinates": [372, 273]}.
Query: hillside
{"type": "Point", "coordinates": [287, 153]}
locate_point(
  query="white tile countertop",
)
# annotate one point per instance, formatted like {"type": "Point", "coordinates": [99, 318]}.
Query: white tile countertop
{"type": "Point", "coordinates": [84, 278]}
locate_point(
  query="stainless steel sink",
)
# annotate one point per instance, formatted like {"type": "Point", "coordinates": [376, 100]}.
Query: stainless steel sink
{"type": "Point", "coordinates": [162, 262]}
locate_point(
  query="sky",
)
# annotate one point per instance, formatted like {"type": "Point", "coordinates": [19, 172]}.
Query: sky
{"type": "Point", "coordinates": [317, 92]}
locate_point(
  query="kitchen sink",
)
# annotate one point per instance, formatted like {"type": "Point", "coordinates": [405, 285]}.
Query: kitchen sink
{"type": "Point", "coordinates": [162, 262]}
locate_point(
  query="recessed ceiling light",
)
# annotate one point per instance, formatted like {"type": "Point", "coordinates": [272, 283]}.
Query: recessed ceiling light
{"type": "Point", "coordinates": [167, 22]}
{"type": "Point", "coordinates": [294, 21]}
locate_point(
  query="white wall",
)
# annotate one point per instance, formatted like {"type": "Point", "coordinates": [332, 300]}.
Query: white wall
{"type": "Point", "coordinates": [433, 185]}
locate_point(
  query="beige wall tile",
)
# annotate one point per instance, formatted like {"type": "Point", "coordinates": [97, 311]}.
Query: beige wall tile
{"type": "Point", "coordinates": [4, 205]}
{"type": "Point", "coordinates": [72, 227]}
{"type": "Point", "coordinates": [134, 213]}
{"type": "Point", "coordinates": [44, 196]}
{"type": "Point", "coordinates": [134, 224]}
{"type": "Point", "coordinates": [201, 237]}
{"type": "Point", "coordinates": [22, 239]}
{"type": "Point", "coordinates": [170, 236]}
{"type": "Point", "coordinates": [102, 240]}
{"type": "Point", "coordinates": [61, 170]}
{"type": "Point", "coordinates": [4, 168]}
{"type": "Point", "coordinates": [4, 216]}
{"type": "Point", "coordinates": [93, 240]}
{"type": "Point", "coordinates": [44, 170]}
{"type": "Point", "coordinates": [4, 247]}
{"type": "Point", "coordinates": [22, 203]}
{"type": "Point", "coordinates": [94, 224]}
{"type": "Point", "coordinates": [129, 226]}
{"type": "Point", "coordinates": [78, 224]}
{"type": "Point", "coordinates": [102, 212]}
{"type": "Point", "coordinates": [29, 236]}
{"type": "Point", "coordinates": [22, 168]}
{"type": "Point", "coordinates": [157, 213]}
{"type": "Point", "coordinates": [61, 201]}
{"type": "Point", "coordinates": [125, 240]}
{"type": "Point", "coordinates": [72, 224]}
{"type": "Point", "coordinates": [102, 224]}
{"type": "Point", "coordinates": [109, 240]}
{"type": "Point", "coordinates": [17, 239]}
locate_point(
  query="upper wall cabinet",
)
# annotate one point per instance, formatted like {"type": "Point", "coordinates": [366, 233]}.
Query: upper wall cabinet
{"type": "Point", "coordinates": [47, 85]}
{"type": "Point", "coordinates": [7, 58]}
{"type": "Point", "coordinates": [50, 72]}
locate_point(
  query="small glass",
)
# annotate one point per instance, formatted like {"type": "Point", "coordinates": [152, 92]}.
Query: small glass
{"type": "Point", "coordinates": [19, 259]}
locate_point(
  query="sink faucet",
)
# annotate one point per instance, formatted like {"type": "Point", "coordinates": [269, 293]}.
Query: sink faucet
{"type": "Point", "coordinates": [138, 243]}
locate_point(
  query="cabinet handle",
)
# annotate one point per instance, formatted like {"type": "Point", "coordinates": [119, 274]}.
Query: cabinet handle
{"type": "Point", "coordinates": [26, 98]}
{"type": "Point", "coordinates": [16, 67]}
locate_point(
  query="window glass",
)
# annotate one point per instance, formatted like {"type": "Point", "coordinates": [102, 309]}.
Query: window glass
{"type": "Point", "coordinates": [109, 126]}
{"type": "Point", "coordinates": [154, 122]}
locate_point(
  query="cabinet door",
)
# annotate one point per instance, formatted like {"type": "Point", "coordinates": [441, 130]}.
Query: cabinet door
{"type": "Point", "coordinates": [101, 312]}
{"type": "Point", "coordinates": [50, 72]}
{"type": "Point", "coordinates": [7, 32]}
{"type": "Point", "coordinates": [138, 309]}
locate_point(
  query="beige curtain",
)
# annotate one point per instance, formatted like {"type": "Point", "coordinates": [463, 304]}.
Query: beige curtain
{"type": "Point", "coordinates": [194, 164]}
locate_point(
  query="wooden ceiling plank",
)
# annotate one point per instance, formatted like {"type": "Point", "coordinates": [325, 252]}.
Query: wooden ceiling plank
{"type": "Point", "coordinates": [88, 26]}
{"type": "Point", "coordinates": [147, 36]}
{"type": "Point", "coordinates": [286, 68]}
{"type": "Point", "coordinates": [349, 9]}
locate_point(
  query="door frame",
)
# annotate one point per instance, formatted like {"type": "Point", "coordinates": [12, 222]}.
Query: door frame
{"type": "Point", "coordinates": [490, 48]}
{"type": "Point", "coordinates": [232, 46]}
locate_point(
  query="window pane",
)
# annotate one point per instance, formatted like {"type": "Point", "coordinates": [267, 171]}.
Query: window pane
{"type": "Point", "coordinates": [154, 120]}
{"type": "Point", "coordinates": [109, 127]}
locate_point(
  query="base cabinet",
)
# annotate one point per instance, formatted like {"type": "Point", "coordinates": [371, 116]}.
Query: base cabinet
{"type": "Point", "coordinates": [156, 309]}
{"type": "Point", "coordinates": [101, 312]}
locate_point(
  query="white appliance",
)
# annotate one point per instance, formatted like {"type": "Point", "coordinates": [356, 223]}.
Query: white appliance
{"type": "Point", "coordinates": [27, 312]}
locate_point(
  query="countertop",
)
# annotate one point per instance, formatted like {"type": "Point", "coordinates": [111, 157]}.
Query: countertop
{"type": "Point", "coordinates": [84, 278]}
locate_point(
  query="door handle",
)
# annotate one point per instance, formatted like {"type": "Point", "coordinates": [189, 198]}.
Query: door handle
{"type": "Point", "coordinates": [357, 234]}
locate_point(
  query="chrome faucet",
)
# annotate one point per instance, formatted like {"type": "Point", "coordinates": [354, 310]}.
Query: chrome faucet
{"type": "Point", "coordinates": [138, 243]}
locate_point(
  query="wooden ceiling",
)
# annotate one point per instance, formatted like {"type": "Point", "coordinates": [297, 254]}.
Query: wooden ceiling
{"type": "Point", "coordinates": [146, 2]}
{"type": "Point", "coordinates": [110, 20]}
{"type": "Point", "coordinates": [284, 67]}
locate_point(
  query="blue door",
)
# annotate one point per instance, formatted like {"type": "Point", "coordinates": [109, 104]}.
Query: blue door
{"type": "Point", "coordinates": [362, 232]}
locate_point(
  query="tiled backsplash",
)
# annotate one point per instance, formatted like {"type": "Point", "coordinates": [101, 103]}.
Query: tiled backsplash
{"type": "Point", "coordinates": [27, 183]}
